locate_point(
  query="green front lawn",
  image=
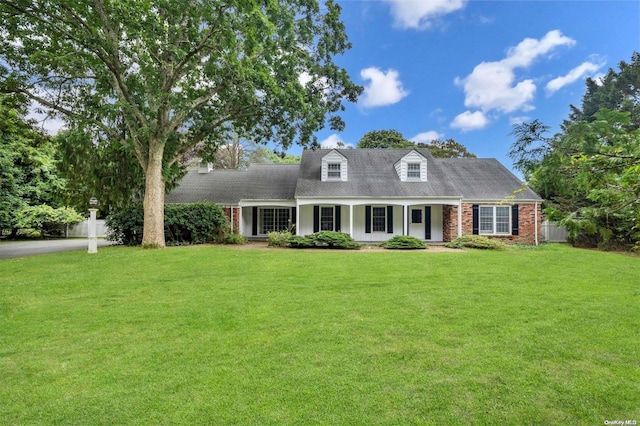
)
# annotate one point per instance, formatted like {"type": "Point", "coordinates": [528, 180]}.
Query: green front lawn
{"type": "Point", "coordinates": [225, 335]}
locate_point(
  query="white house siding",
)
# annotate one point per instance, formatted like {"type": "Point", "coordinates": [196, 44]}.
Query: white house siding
{"type": "Point", "coordinates": [359, 233]}
{"type": "Point", "coordinates": [417, 229]}
{"type": "Point", "coordinates": [305, 226]}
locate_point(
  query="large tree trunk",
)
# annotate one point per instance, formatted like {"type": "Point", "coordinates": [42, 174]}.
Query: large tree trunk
{"type": "Point", "coordinates": [153, 231]}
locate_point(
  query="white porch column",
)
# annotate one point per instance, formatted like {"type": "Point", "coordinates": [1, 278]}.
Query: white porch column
{"type": "Point", "coordinates": [459, 218]}
{"type": "Point", "coordinates": [405, 228]}
{"type": "Point", "coordinates": [351, 220]}
{"type": "Point", "coordinates": [297, 217]}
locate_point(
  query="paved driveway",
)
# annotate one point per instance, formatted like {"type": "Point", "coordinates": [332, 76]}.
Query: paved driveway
{"type": "Point", "coordinates": [12, 249]}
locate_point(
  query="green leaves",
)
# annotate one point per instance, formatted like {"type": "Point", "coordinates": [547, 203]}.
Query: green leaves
{"type": "Point", "coordinates": [163, 78]}
{"type": "Point", "coordinates": [589, 173]}
{"type": "Point", "coordinates": [46, 219]}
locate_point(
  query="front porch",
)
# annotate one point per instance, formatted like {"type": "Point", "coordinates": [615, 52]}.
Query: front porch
{"type": "Point", "coordinates": [365, 220]}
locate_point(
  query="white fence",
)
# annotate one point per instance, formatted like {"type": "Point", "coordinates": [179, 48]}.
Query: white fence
{"type": "Point", "coordinates": [552, 233]}
{"type": "Point", "coordinates": [81, 230]}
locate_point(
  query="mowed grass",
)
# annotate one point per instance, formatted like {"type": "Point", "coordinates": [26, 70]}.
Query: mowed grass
{"type": "Point", "coordinates": [223, 335]}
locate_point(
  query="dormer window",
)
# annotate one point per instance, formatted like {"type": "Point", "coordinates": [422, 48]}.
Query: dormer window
{"type": "Point", "coordinates": [413, 171]}
{"type": "Point", "coordinates": [333, 170]}
{"type": "Point", "coordinates": [334, 167]}
{"type": "Point", "coordinates": [412, 167]}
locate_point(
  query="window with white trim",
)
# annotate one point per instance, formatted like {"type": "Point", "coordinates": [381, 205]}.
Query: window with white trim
{"type": "Point", "coordinates": [274, 219]}
{"type": "Point", "coordinates": [413, 170]}
{"type": "Point", "coordinates": [495, 220]}
{"type": "Point", "coordinates": [326, 218]}
{"type": "Point", "coordinates": [379, 219]}
{"type": "Point", "coordinates": [333, 170]}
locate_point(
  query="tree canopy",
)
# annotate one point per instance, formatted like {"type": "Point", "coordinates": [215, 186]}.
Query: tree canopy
{"type": "Point", "coordinates": [154, 80]}
{"type": "Point", "coordinates": [30, 186]}
{"type": "Point", "coordinates": [381, 139]}
{"type": "Point", "coordinates": [589, 173]}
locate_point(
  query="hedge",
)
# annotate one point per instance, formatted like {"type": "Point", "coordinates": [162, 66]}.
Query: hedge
{"type": "Point", "coordinates": [194, 223]}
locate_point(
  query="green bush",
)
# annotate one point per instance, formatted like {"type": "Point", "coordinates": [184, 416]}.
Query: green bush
{"type": "Point", "coordinates": [404, 242]}
{"type": "Point", "coordinates": [279, 239]}
{"type": "Point", "coordinates": [195, 223]}
{"type": "Point", "coordinates": [46, 220]}
{"type": "Point", "coordinates": [324, 239]}
{"type": "Point", "coordinates": [477, 242]}
{"type": "Point", "coordinates": [235, 239]}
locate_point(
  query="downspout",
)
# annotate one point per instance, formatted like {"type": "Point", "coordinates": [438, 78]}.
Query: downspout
{"type": "Point", "coordinates": [535, 215]}
{"type": "Point", "coordinates": [460, 218]}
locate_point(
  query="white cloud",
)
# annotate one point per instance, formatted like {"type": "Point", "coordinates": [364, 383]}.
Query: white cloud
{"type": "Point", "coordinates": [519, 119]}
{"type": "Point", "coordinates": [579, 72]}
{"type": "Point", "coordinates": [332, 142]}
{"type": "Point", "coordinates": [384, 88]}
{"type": "Point", "coordinates": [470, 121]}
{"type": "Point", "coordinates": [426, 137]}
{"type": "Point", "coordinates": [530, 49]}
{"type": "Point", "coordinates": [419, 14]}
{"type": "Point", "coordinates": [492, 86]}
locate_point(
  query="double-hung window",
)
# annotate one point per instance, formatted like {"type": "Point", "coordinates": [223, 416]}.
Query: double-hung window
{"type": "Point", "coordinates": [333, 170]}
{"type": "Point", "coordinates": [274, 219]}
{"type": "Point", "coordinates": [326, 219]}
{"type": "Point", "coordinates": [378, 219]}
{"type": "Point", "coordinates": [413, 171]}
{"type": "Point", "coordinates": [495, 220]}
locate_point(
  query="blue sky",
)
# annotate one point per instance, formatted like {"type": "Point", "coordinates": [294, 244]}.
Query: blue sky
{"type": "Point", "coordinates": [468, 70]}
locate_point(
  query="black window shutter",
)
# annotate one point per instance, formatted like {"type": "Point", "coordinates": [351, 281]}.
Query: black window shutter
{"type": "Point", "coordinates": [316, 218]}
{"type": "Point", "coordinates": [254, 221]}
{"type": "Point", "coordinates": [293, 220]}
{"type": "Point", "coordinates": [336, 218]}
{"type": "Point", "coordinates": [514, 220]}
{"type": "Point", "coordinates": [389, 219]}
{"type": "Point", "coordinates": [367, 219]}
{"type": "Point", "coordinates": [427, 222]}
{"type": "Point", "coordinates": [476, 219]}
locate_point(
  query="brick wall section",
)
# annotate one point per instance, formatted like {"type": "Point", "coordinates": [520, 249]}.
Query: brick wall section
{"type": "Point", "coordinates": [449, 223]}
{"type": "Point", "coordinates": [236, 217]}
{"type": "Point", "coordinates": [526, 219]}
{"type": "Point", "coordinates": [527, 225]}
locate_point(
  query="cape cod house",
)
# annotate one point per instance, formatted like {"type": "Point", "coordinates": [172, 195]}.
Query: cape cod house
{"type": "Point", "coordinates": [372, 194]}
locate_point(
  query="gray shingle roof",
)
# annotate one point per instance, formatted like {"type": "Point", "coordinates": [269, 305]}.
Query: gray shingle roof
{"type": "Point", "coordinates": [371, 174]}
{"type": "Point", "coordinates": [258, 182]}
{"type": "Point", "coordinates": [483, 179]}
